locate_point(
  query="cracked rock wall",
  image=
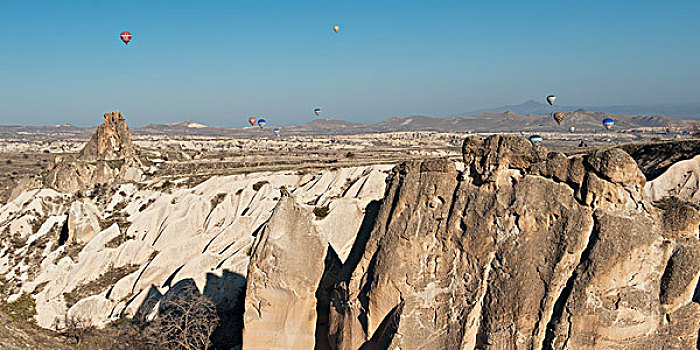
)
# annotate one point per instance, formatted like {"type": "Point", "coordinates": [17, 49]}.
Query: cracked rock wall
{"type": "Point", "coordinates": [523, 249]}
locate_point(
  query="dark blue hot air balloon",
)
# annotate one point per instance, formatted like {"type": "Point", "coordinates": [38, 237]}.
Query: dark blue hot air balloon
{"type": "Point", "coordinates": [608, 123]}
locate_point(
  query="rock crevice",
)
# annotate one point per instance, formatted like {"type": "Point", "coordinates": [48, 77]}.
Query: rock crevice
{"type": "Point", "coordinates": [523, 250]}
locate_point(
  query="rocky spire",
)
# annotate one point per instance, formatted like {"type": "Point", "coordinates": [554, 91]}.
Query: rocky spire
{"type": "Point", "coordinates": [109, 157]}
{"type": "Point", "coordinates": [111, 141]}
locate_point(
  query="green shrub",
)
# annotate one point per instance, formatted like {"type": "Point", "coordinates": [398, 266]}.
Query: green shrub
{"type": "Point", "coordinates": [321, 212]}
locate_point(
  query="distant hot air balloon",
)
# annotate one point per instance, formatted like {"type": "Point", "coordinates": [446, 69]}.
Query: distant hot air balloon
{"type": "Point", "coordinates": [252, 121]}
{"type": "Point", "coordinates": [536, 140]}
{"type": "Point", "coordinates": [551, 99]}
{"type": "Point", "coordinates": [572, 129]}
{"type": "Point", "coordinates": [558, 117]}
{"type": "Point", "coordinates": [276, 131]}
{"type": "Point", "coordinates": [126, 37]}
{"type": "Point", "coordinates": [608, 123]}
{"type": "Point", "coordinates": [317, 111]}
{"type": "Point", "coordinates": [336, 28]}
{"type": "Point", "coordinates": [262, 122]}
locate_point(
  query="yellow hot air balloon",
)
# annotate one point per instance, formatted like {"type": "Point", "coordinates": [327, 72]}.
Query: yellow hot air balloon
{"type": "Point", "coordinates": [336, 28]}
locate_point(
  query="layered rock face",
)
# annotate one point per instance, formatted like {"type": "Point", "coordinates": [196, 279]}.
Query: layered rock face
{"type": "Point", "coordinates": [520, 250]}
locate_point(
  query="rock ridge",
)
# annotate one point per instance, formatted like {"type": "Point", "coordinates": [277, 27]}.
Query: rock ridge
{"type": "Point", "coordinates": [524, 249]}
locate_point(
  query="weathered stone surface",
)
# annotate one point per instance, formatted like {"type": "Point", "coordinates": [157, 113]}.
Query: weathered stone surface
{"type": "Point", "coordinates": [680, 180]}
{"type": "Point", "coordinates": [284, 272]}
{"type": "Point", "coordinates": [83, 221]}
{"type": "Point", "coordinates": [616, 166]}
{"type": "Point", "coordinates": [522, 250]}
{"type": "Point", "coordinates": [111, 141]}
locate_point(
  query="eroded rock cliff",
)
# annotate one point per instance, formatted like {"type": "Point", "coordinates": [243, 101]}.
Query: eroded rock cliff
{"type": "Point", "coordinates": [520, 250]}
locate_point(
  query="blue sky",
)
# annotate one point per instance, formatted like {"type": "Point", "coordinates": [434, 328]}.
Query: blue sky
{"type": "Point", "coordinates": [223, 61]}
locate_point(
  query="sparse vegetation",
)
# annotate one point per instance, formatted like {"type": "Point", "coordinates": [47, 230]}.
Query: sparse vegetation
{"type": "Point", "coordinates": [350, 155]}
{"type": "Point", "coordinates": [166, 184]}
{"type": "Point", "coordinates": [71, 250]}
{"type": "Point", "coordinates": [22, 309]}
{"type": "Point", "coordinates": [17, 241]}
{"type": "Point", "coordinates": [101, 283]}
{"type": "Point", "coordinates": [3, 283]}
{"type": "Point", "coordinates": [77, 329]}
{"type": "Point", "coordinates": [185, 321]}
{"type": "Point", "coordinates": [153, 255]}
{"type": "Point", "coordinates": [39, 287]}
{"type": "Point", "coordinates": [147, 204]}
{"type": "Point", "coordinates": [116, 241]}
{"type": "Point", "coordinates": [217, 200]}
{"type": "Point", "coordinates": [321, 212]}
{"type": "Point", "coordinates": [258, 185]}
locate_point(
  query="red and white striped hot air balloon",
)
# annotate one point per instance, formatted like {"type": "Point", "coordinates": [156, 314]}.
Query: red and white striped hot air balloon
{"type": "Point", "coordinates": [126, 37]}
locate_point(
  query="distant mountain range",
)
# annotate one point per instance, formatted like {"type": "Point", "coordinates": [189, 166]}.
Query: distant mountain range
{"type": "Point", "coordinates": [530, 116]}
{"type": "Point", "coordinates": [509, 121]}
{"type": "Point", "coordinates": [685, 110]}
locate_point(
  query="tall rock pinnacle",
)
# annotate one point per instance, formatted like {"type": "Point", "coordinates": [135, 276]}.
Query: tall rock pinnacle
{"type": "Point", "coordinates": [111, 141]}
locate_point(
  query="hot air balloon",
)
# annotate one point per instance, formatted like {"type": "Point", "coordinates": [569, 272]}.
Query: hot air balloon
{"type": "Point", "coordinates": [558, 117]}
{"type": "Point", "coordinates": [336, 28]}
{"type": "Point", "coordinates": [126, 37]}
{"type": "Point", "coordinates": [536, 140]}
{"type": "Point", "coordinates": [252, 121]}
{"type": "Point", "coordinates": [262, 122]}
{"type": "Point", "coordinates": [317, 111]}
{"type": "Point", "coordinates": [551, 99]}
{"type": "Point", "coordinates": [276, 131]}
{"type": "Point", "coordinates": [572, 129]}
{"type": "Point", "coordinates": [608, 123]}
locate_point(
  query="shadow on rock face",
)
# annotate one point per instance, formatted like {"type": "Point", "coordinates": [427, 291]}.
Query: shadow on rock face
{"type": "Point", "coordinates": [227, 293]}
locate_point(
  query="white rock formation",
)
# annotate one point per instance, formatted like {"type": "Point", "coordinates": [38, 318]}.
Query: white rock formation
{"type": "Point", "coordinates": [164, 236]}
{"type": "Point", "coordinates": [286, 268]}
{"type": "Point", "coordinates": [83, 220]}
{"type": "Point", "coordinates": [681, 180]}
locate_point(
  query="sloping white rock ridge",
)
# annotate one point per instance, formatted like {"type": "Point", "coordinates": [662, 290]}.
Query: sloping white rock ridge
{"type": "Point", "coordinates": [117, 253]}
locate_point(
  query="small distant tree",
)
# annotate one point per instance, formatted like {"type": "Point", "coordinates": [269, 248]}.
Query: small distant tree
{"type": "Point", "coordinates": [77, 329]}
{"type": "Point", "coordinates": [350, 155]}
{"type": "Point", "coordinates": [186, 321]}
